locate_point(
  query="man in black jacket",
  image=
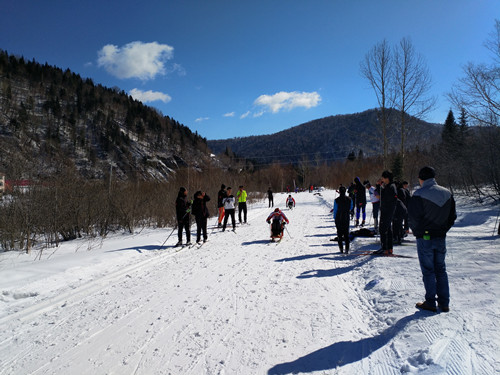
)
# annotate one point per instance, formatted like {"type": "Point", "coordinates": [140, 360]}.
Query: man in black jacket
{"type": "Point", "coordinates": [432, 213]}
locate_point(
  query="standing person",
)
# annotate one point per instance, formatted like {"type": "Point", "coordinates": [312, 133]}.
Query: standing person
{"type": "Point", "coordinates": [201, 214]}
{"type": "Point", "coordinates": [399, 215]}
{"type": "Point", "coordinates": [406, 201]}
{"type": "Point", "coordinates": [350, 192]}
{"type": "Point", "coordinates": [432, 213]}
{"type": "Point", "coordinates": [341, 215]}
{"type": "Point", "coordinates": [290, 202]}
{"type": "Point", "coordinates": [277, 219]}
{"type": "Point", "coordinates": [229, 203]}
{"type": "Point", "coordinates": [388, 200]}
{"type": "Point", "coordinates": [242, 203]}
{"type": "Point", "coordinates": [270, 197]}
{"type": "Point", "coordinates": [220, 205]}
{"type": "Point", "coordinates": [182, 210]}
{"type": "Point", "coordinates": [375, 199]}
{"type": "Point", "coordinates": [360, 199]}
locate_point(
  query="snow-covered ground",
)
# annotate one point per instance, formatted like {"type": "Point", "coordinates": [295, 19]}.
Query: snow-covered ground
{"type": "Point", "coordinates": [240, 305]}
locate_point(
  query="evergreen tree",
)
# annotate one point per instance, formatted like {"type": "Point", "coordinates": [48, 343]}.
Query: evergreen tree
{"type": "Point", "coordinates": [450, 130]}
{"type": "Point", "coordinates": [397, 167]}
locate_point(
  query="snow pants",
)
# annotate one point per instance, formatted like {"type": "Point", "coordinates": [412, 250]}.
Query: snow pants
{"type": "Point", "coordinates": [229, 212]}
{"type": "Point", "coordinates": [201, 226]}
{"type": "Point", "coordinates": [385, 230]}
{"type": "Point", "coordinates": [184, 225]}
{"type": "Point", "coordinates": [360, 209]}
{"type": "Point", "coordinates": [242, 208]}
{"type": "Point", "coordinates": [343, 235]}
{"type": "Point", "coordinates": [221, 214]}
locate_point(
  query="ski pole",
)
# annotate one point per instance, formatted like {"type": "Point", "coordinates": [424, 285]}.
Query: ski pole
{"type": "Point", "coordinates": [496, 221]}
{"type": "Point", "coordinates": [288, 232]}
{"type": "Point", "coordinates": [164, 242]}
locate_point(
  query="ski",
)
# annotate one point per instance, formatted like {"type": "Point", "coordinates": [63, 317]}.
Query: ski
{"type": "Point", "coordinates": [383, 255]}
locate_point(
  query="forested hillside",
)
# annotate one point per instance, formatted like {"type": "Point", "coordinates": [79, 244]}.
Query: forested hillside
{"type": "Point", "coordinates": [51, 119]}
{"type": "Point", "coordinates": [330, 138]}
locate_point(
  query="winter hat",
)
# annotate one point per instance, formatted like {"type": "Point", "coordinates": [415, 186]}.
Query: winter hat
{"type": "Point", "coordinates": [223, 186]}
{"type": "Point", "coordinates": [182, 190]}
{"type": "Point", "coordinates": [426, 173]}
{"type": "Point", "coordinates": [342, 190]}
{"type": "Point", "coordinates": [388, 174]}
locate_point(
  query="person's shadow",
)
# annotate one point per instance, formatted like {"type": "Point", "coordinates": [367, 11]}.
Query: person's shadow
{"type": "Point", "coordinates": [342, 353]}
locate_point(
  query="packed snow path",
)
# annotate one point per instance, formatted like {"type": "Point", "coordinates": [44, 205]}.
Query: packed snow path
{"type": "Point", "coordinates": [242, 305]}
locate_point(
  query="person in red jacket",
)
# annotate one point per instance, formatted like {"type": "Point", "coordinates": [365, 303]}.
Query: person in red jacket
{"type": "Point", "coordinates": [290, 202]}
{"type": "Point", "coordinates": [277, 219]}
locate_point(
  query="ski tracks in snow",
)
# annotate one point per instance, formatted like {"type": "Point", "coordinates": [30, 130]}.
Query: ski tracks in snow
{"type": "Point", "coordinates": [239, 305]}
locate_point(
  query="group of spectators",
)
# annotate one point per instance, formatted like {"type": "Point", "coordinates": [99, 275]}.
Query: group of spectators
{"type": "Point", "coordinates": [430, 212]}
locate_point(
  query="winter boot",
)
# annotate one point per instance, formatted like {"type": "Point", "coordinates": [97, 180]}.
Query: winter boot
{"type": "Point", "coordinates": [357, 223]}
{"type": "Point", "coordinates": [426, 306]}
{"type": "Point", "coordinates": [444, 308]}
{"type": "Point", "coordinates": [363, 223]}
{"type": "Point", "coordinates": [178, 244]}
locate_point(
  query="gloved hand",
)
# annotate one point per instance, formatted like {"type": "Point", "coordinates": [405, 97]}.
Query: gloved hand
{"type": "Point", "coordinates": [268, 221]}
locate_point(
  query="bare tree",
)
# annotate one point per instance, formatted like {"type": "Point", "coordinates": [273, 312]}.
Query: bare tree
{"type": "Point", "coordinates": [377, 68]}
{"type": "Point", "coordinates": [412, 84]}
{"type": "Point", "coordinates": [478, 92]}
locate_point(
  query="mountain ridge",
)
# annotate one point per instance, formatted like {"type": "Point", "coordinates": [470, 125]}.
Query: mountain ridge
{"type": "Point", "coordinates": [329, 138]}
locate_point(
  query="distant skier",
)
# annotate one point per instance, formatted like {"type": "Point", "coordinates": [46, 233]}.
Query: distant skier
{"type": "Point", "coordinates": [270, 197]}
{"type": "Point", "coordinates": [277, 219]}
{"type": "Point", "coordinates": [290, 202]}
{"type": "Point", "coordinates": [229, 204]}
{"type": "Point", "coordinates": [242, 204]}
{"type": "Point", "coordinates": [182, 210]}
{"type": "Point", "coordinates": [341, 215]}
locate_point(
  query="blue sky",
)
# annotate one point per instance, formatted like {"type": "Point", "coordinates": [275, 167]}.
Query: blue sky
{"type": "Point", "coordinates": [237, 68]}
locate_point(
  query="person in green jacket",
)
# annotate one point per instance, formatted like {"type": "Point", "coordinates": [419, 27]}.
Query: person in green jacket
{"type": "Point", "coordinates": [242, 204]}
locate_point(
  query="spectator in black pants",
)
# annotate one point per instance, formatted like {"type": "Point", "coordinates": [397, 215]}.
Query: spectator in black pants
{"type": "Point", "coordinates": [342, 216]}
{"type": "Point", "coordinates": [388, 200]}
{"type": "Point", "coordinates": [182, 209]}
{"type": "Point", "coordinates": [270, 197]}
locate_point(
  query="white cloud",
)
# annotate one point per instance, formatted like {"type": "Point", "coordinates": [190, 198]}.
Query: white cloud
{"type": "Point", "coordinates": [229, 114]}
{"type": "Point", "coordinates": [288, 100]}
{"type": "Point", "coordinates": [244, 115]}
{"type": "Point", "coordinates": [136, 59]}
{"type": "Point", "coordinates": [258, 114]}
{"type": "Point", "coordinates": [149, 96]}
{"type": "Point", "coordinates": [200, 119]}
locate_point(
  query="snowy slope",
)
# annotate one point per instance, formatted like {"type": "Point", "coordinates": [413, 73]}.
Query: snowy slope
{"type": "Point", "coordinates": [240, 305]}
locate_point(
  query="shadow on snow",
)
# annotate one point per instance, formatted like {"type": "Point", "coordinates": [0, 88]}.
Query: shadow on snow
{"type": "Point", "coordinates": [345, 352]}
